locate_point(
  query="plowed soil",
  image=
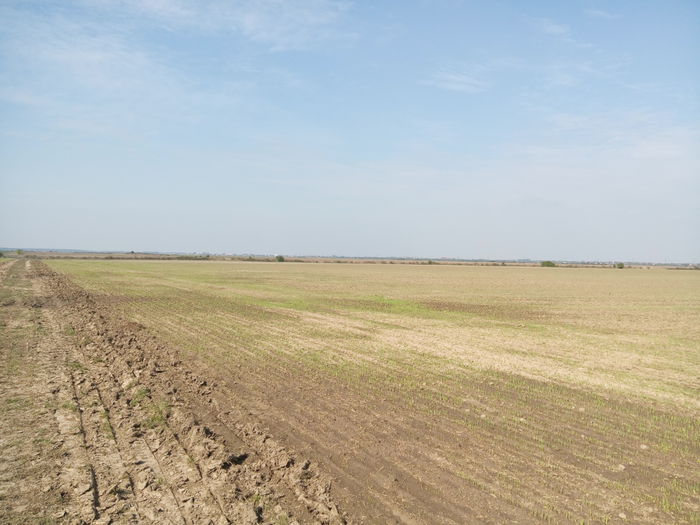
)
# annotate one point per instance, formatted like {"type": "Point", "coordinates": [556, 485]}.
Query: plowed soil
{"type": "Point", "coordinates": [227, 392]}
{"type": "Point", "coordinates": [102, 424]}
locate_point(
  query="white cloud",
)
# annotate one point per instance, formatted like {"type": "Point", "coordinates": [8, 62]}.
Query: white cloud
{"type": "Point", "coordinates": [90, 75]}
{"type": "Point", "coordinates": [86, 80]}
{"type": "Point", "coordinates": [287, 24]}
{"type": "Point", "coordinates": [164, 9]}
{"type": "Point", "coordinates": [457, 81]}
{"type": "Point", "coordinates": [279, 24]}
{"type": "Point", "coordinates": [20, 97]}
{"type": "Point", "coordinates": [551, 27]}
{"type": "Point", "coordinates": [599, 13]}
{"type": "Point", "coordinates": [631, 135]}
{"type": "Point", "coordinates": [561, 31]}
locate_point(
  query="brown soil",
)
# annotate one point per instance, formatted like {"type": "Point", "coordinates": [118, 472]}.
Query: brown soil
{"type": "Point", "coordinates": [103, 424]}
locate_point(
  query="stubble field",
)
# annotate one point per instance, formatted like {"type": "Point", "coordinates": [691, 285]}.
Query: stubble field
{"type": "Point", "coordinates": [447, 394]}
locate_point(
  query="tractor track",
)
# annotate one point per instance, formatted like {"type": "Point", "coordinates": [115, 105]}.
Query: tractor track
{"type": "Point", "coordinates": [137, 435]}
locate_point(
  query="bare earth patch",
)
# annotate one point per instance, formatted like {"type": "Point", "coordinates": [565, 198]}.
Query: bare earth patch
{"type": "Point", "coordinates": [104, 424]}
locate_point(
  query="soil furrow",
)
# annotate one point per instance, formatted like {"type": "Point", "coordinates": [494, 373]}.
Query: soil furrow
{"type": "Point", "coordinates": [94, 489]}
{"type": "Point", "coordinates": [498, 449]}
{"type": "Point", "coordinates": [206, 479]}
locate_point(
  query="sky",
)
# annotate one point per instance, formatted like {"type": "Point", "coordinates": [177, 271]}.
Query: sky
{"type": "Point", "coordinates": [442, 128]}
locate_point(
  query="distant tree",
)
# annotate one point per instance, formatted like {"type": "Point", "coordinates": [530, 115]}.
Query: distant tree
{"type": "Point", "coordinates": [279, 258]}
{"type": "Point", "coordinates": [2, 254]}
{"type": "Point", "coordinates": [20, 252]}
{"type": "Point", "coordinates": [620, 265]}
{"type": "Point", "coordinates": [547, 264]}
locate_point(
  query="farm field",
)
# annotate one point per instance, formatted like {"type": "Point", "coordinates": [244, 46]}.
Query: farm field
{"type": "Point", "coordinates": [102, 424]}
{"type": "Point", "coordinates": [445, 394]}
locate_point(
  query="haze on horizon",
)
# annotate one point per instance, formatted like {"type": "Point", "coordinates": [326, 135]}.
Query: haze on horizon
{"type": "Point", "coordinates": [504, 130]}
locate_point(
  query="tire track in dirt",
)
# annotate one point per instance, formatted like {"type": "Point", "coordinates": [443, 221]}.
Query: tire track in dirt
{"type": "Point", "coordinates": [137, 403]}
{"type": "Point", "coordinates": [95, 461]}
{"type": "Point", "coordinates": [49, 476]}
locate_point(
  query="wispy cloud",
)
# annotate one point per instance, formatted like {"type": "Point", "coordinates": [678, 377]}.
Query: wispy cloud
{"type": "Point", "coordinates": [631, 134]}
{"type": "Point", "coordinates": [280, 25]}
{"type": "Point", "coordinates": [93, 75]}
{"type": "Point", "coordinates": [88, 77]}
{"type": "Point", "coordinates": [551, 27]}
{"type": "Point", "coordinates": [558, 30]}
{"type": "Point", "coordinates": [286, 25]}
{"type": "Point", "coordinates": [531, 77]}
{"type": "Point", "coordinates": [457, 81]}
{"type": "Point", "coordinates": [599, 13]}
{"type": "Point", "coordinates": [164, 9]}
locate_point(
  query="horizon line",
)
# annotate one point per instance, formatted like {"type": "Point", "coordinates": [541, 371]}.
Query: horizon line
{"type": "Point", "coordinates": [362, 257]}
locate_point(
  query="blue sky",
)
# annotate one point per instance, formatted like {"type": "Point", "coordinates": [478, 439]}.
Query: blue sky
{"type": "Point", "coordinates": [562, 130]}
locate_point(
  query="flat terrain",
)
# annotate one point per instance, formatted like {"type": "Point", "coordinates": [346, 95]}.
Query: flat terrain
{"type": "Point", "coordinates": [102, 424]}
{"type": "Point", "coordinates": [430, 394]}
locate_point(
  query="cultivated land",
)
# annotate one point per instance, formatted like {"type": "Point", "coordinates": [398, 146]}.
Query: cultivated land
{"type": "Point", "coordinates": [372, 393]}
